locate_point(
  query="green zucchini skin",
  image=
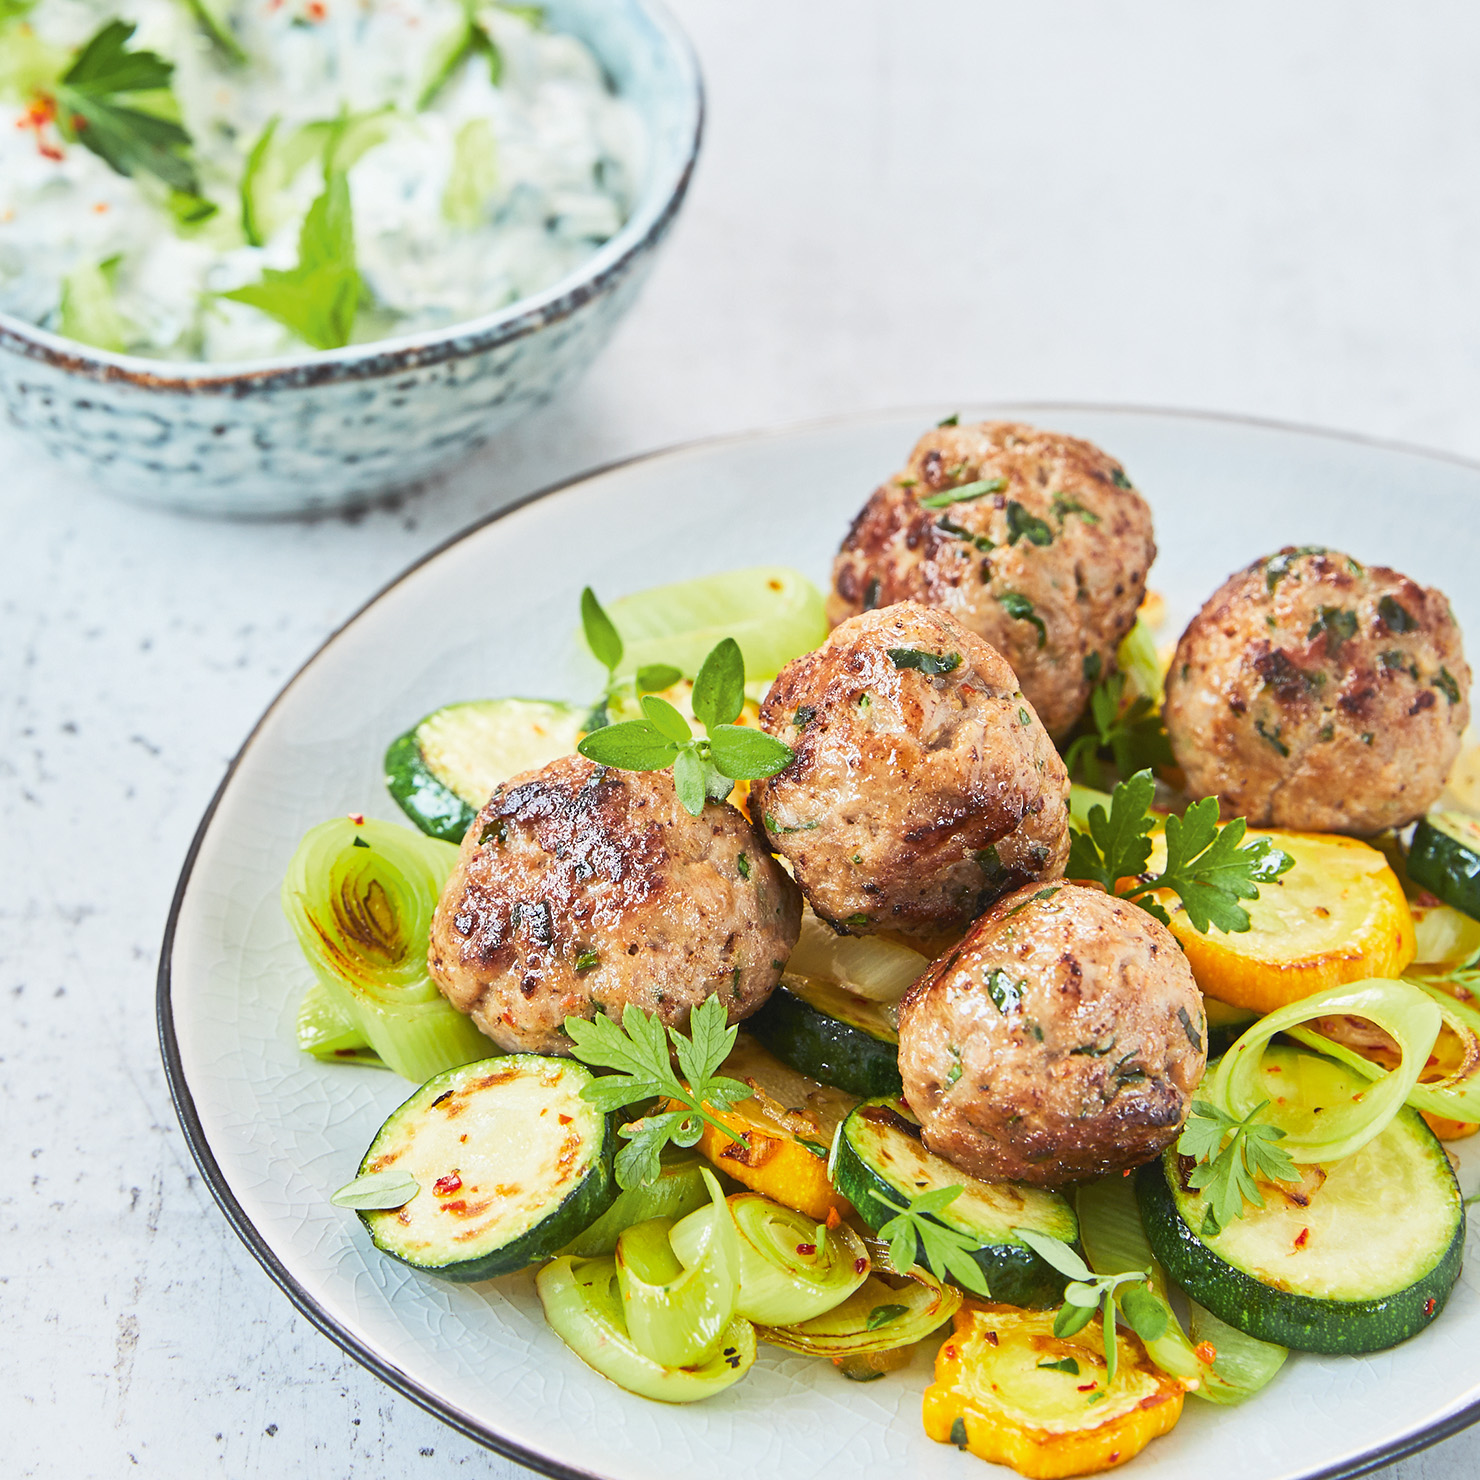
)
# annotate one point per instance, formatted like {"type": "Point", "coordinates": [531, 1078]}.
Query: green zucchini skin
{"type": "Point", "coordinates": [1301, 1322]}
{"type": "Point", "coordinates": [1015, 1274]}
{"type": "Point", "coordinates": [436, 809]}
{"type": "Point", "coordinates": [1444, 858]}
{"type": "Point", "coordinates": [825, 1048]}
{"type": "Point", "coordinates": [570, 1212]}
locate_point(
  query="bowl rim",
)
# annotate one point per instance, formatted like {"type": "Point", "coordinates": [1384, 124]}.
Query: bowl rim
{"type": "Point", "coordinates": [640, 233]}
{"type": "Point", "coordinates": [196, 1137]}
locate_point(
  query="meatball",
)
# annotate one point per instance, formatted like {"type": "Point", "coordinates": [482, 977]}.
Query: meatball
{"type": "Point", "coordinates": [1045, 555]}
{"type": "Point", "coordinates": [1062, 1039]}
{"type": "Point", "coordinates": [579, 889]}
{"type": "Point", "coordinates": [1312, 692]}
{"type": "Point", "coordinates": [923, 785]}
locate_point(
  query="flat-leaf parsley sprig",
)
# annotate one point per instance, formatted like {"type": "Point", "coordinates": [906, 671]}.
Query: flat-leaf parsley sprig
{"type": "Point", "coordinates": [1229, 1174]}
{"type": "Point", "coordinates": [1209, 868]}
{"type": "Point", "coordinates": [118, 103]}
{"type": "Point", "coordinates": [916, 1227]}
{"type": "Point", "coordinates": [704, 769]}
{"type": "Point", "coordinates": [638, 1050]}
{"type": "Point", "coordinates": [1088, 1292]}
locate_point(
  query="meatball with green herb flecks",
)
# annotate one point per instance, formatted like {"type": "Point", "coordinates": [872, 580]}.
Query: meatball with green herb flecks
{"type": "Point", "coordinates": [1061, 1040]}
{"type": "Point", "coordinates": [1031, 539]}
{"type": "Point", "coordinates": [922, 786]}
{"type": "Point", "coordinates": [579, 889]}
{"type": "Point", "coordinates": [1313, 692]}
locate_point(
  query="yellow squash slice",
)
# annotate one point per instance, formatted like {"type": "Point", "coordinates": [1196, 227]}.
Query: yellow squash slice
{"type": "Point", "coordinates": [1338, 916]}
{"type": "Point", "coordinates": [789, 1121]}
{"type": "Point", "coordinates": [1013, 1393]}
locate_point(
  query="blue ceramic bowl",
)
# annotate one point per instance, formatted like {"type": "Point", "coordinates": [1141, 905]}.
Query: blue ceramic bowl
{"type": "Point", "coordinates": [326, 430]}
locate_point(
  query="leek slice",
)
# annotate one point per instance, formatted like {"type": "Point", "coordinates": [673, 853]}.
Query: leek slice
{"type": "Point", "coordinates": [1138, 659]}
{"type": "Point", "coordinates": [584, 1308]}
{"type": "Point", "coordinates": [774, 613]}
{"type": "Point", "coordinates": [869, 966]}
{"type": "Point", "coordinates": [1442, 935]}
{"type": "Point", "coordinates": [876, 1317]}
{"type": "Point", "coordinates": [360, 898]}
{"type": "Point", "coordinates": [327, 1031]}
{"type": "Point", "coordinates": [1406, 1014]}
{"type": "Point", "coordinates": [677, 1311]}
{"type": "Point", "coordinates": [676, 1191]}
{"type": "Point", "coordinates": [1115, 1243]}
{"type": "Point", "coordinates": [791, 1268]}
{"type": "Point", "coordinates": [1449, 1081]}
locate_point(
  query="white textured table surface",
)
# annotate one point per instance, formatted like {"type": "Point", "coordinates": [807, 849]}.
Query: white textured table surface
{"type": "Point", "coordinates": [1271, 210]}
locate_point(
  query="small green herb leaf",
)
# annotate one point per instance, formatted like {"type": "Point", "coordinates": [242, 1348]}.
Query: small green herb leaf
{"type": "Point", "coordinates": [666, 720]}
{"type": "Point", "coordinates": [1395, 616]}
{"type": "Point", "coordinates": [744, 754]}
{"type": "Point", "coordinates": [1020, 609]}
{"type": "Point", "coordinates": [630, 745]}
{"type": "Point", "coordinates": [376, 1191]}
{"type": "Point", "coordinates": [1021, 525]}
{"type": "Point", "coordinates": [923, 662]}
{"type": "Point", "coordinates": [1065, 1364]}
{"type": "Point", "coordinates": [654, 677]}
{"type": "Point", "coordinates": [967, 491]}
{"type": "Point", "coordinates": [600, 631]}
{"type": "Point", "coordinates": [917, 1227]}
{"type": "Point", "coordinates": [719, 689]}
{"type": "Point", "coordinates": [881, 1315]}
{"type": "Point", "coordinates": [690, 781]}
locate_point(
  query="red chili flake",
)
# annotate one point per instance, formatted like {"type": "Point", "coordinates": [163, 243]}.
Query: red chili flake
{"type": "Point", "coordinates": [1430, 1306]}
{"type": "Point", "coordinates": [1302, 1238]}
{"type": "Point", "coordinates": [564, 1119]}
{"type": "Point", "coordinates": [358, 818]}
{"type": "Point", "coordinates": [449, 1184]}
{"type": "Point", "coordinates": [833, 1218]}
{"type": "Point", "coordinates": [1127, 1171]}
{"type": "Point", "coordinates": [807, 1249]}
{"type": "Point", "coordinates": [316, 10]}
{"type": "Point", "coordinates": [1206, 1352]}
{"type": "Point", "coordinates": [991, 1338]}
{"type": "Point", "coordinates": [949, 1352]}
{"type": "Point", "coordinates": [1086, 1387]}
{"type": "Point", "coordinates": [859, 1265]}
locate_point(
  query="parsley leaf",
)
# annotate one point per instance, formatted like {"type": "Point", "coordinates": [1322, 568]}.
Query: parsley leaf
{"type": "Point", "coordinates": [1227, 1173]}
{"type": "Point", "coordinates": [638, 1051]}
{"type": "Point", "coordinates": [1021, 525]}
{"type": "Point", "coordinates": [318, 299]}
{"type": "Point", "coordinates": [1133, 734]}
{"type": "Point", "coordinates": [917, 1227]}
{"type": "Point", "coordinates": [139, 135]}
{"type": "Point", "coordinates": [1208, 868]}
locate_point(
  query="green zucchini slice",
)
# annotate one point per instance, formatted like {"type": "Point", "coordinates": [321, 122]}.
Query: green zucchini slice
{"type": "Point", "coordinates": [829, 1034]}
{"type": "Point", "coordinates": [1445, 859]}
{"type": "Point", "coordinates": [1353, 1263]}
{"type": "Point", "coordinates": [443, 769]}
{"type": "Point", "coordinates": [880, 1164]}
{"type": "Point", "coordinates": [512, 1164]}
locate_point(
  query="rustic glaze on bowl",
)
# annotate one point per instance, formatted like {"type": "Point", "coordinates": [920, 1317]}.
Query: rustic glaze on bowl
{"type": "Point", "coordinates": [328, 430]}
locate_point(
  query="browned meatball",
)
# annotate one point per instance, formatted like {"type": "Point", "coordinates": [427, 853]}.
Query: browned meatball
{"type": "Point", "coordinates": [1313, 692]}
{"type": "Point", "coordinates": [923, 784]}
{"type": "Point", "coordinates": [1061, 1040]}
{"type": "Point", "coordinates": [580, 889]}
{"type": "Point", "coordinates": [1047, 559]}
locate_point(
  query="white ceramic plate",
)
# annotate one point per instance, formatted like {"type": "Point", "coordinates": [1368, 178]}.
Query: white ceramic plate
{"type": "Point", "coordinates": [493, 613]}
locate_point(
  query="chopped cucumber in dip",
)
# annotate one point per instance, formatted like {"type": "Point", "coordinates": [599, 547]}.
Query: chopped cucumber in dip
{"type": "Point", "coordinates": [160, 165]}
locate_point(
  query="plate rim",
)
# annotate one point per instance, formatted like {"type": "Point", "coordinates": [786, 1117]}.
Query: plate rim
{"type": "Point", "coordinates": [196, 1137]}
